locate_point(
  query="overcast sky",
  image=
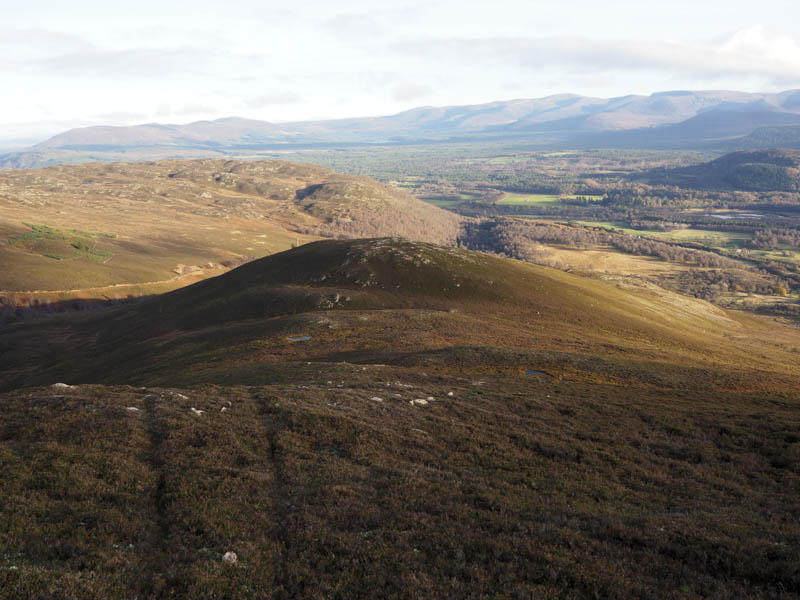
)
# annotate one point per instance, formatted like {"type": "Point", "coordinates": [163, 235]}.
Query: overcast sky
{"type": "Point", "coordinates": [84, 62]}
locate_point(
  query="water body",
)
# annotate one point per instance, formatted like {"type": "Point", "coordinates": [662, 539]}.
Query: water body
{"type": "Point", "coordinates": [736, 216]}
{"type": "Point", "coordinates": [299, 338]}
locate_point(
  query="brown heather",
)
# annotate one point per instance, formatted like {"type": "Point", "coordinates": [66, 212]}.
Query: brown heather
{"type": "Point", "coordinates": [654, 453]}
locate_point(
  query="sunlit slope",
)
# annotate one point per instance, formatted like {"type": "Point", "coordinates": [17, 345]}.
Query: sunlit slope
{"type": "Point", "coordinates": [68, 228]}
{"type": "Point", "coordinates": [392, 301]}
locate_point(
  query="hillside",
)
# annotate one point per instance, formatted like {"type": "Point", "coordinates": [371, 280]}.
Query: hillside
{"type": "Point", "coordinates": [714, 128]}
{"type": "Point", "coordinates": [772, 137]}
{"type": "Point", "coordinates": [381, 418]}
{"type": "Point", "coordinates": [672, 119]}
{"type": "Point", "coordinates": [139, 226]}
{"type": "Point", "coordinates": [754, 170]}
{"type": "Point", "coordinates": [238, 320]}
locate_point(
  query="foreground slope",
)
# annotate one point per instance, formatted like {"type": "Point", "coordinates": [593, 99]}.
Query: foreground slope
{"type": "Point", "coordinates": [444, 424]}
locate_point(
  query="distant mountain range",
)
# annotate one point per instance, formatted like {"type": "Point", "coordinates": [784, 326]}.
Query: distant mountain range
{"type": "Point", "coordinates": [678, 119]}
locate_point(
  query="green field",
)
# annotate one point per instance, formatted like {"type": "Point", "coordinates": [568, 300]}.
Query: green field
{"type": "Point", "coordinates": [782, 254]}
{"type": "Point", "coordinates": [541, 199]}
{"type": "Point", "coordinates": [60, 243]}
{"type": "Point", "coordinates": [708, 237]}
{"type": "Point", "coordinates": [530, 199]}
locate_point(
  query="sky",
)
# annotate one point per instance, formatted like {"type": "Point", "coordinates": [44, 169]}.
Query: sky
{"type": "Point", "coordinates": [95, 62]}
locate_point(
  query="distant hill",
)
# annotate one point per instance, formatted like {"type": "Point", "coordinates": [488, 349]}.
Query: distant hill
{"type": "Point", "coordinates": [128, 225]}
{"type": "Point", "coordinates": [752, 170]}
{"type": "Point", "coordinates": [716, 128]}
{"type": "Point", "coordinates": [771, 137]}
{"type": "Point", "coordinates": [674, 119]}
{"type": "Point", "coordinates": [201, 132]}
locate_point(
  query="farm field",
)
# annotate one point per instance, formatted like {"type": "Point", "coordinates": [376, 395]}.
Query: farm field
{"type": "Point", "coordinates": [710, 238]}
{"type": "Point", "coordinates": [545, 199]}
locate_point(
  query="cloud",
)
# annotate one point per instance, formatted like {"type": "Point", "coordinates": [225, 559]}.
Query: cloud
{"type": "Point", "coordinates": [751, 52]}
{"type": "Point", "coordinates": [119, 116]}
{"type": "Point", "coordinates": [408, 91]}
{"type": "Point", "coordinates": [273, 99]}
{"type": "Point", "coordinates": [42, 40]}
{"type": "Point", "coordinates": [350, 26]}
{"type": "Point", "coordinates": [39, 51]}
{"type": "Point", "coordinates": [156, 63]}
{"type": "Point", "coordinates": [165, 110]}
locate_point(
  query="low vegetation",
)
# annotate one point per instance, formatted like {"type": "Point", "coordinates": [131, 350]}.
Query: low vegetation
{"type": "Point", "coordinates": [162, 219]}
{"type": "Point", "coordinates": [355, 419]}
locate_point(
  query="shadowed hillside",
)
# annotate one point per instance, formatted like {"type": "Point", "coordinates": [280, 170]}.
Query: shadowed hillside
{"type": "Point", "coordinates": [433, 300]}
{"type": "Point", "coordinates": [380, 418]}
{"type": "Point", "coordinates": [754, 170]}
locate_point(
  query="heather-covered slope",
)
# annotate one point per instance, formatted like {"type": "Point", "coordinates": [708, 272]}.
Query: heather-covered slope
{"type": "Point", "coordinates": [379, 418]}
{"type": "Point", "coordinates": [389, 300]}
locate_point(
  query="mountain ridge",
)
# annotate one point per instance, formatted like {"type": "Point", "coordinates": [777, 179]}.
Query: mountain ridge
{"type": "Point", "coordinates": [567, 119]}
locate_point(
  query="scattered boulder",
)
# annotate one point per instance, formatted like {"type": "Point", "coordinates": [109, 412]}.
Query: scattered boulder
{"type": "Point", "coordinates": [230, 558]}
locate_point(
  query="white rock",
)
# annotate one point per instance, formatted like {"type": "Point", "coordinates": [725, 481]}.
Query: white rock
{"type": "Point", "coordinates": [224, 408]}
{"type": "Point", "coordinates": [61, 385]}
{"type": "Point", "coordinates": [197, 412]}
{"type": "Point", "coordinates": [419, 402]}
{"type": "Point", "coordinates": [230, 558]}
{"type": "Point", "coordinates": [182, 397]}
{"type": "Point", "coordinates": [132, 409]}
{"type": "Point", "coordinates": [376, 399]}
{"type": "Point", "coordinates": [431, 398]}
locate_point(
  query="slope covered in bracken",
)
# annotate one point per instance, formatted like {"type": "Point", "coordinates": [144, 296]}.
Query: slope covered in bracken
{"type": "Point", "coordinates": [381, 418]}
